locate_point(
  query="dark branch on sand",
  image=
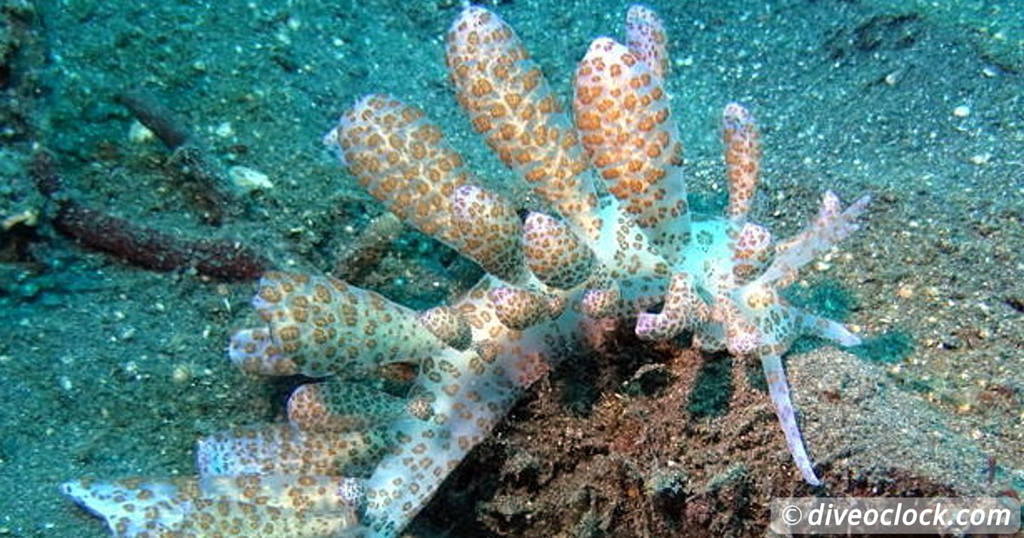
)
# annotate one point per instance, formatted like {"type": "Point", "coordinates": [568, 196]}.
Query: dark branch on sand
{"type": "Point", "coordinates": [199, 176]}
{"type": "Point", "coordinates": [140, 245]}
{"type": "Point", "coordinates": [156, 117]}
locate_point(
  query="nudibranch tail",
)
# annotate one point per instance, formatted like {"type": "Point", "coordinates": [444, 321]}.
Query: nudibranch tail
{"type": "Point", "coordinates": [778, 388]}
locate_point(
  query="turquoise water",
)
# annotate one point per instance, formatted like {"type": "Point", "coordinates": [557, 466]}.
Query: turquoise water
{"type": "Point", "coordinates": [109, 369]}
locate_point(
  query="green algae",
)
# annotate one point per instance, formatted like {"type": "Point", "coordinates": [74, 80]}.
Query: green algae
{"type": "Point", "coordinates": [710, 395]}
{"type": "Point", "coordinates": [890, 347]}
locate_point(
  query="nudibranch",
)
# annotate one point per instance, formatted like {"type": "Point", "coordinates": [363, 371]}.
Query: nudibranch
{"type": "Point", "coordinates": [616, 239]}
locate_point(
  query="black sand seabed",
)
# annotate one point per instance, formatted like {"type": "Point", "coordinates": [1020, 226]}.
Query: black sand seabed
{"type": "Point", "coordinates": [108, 370]}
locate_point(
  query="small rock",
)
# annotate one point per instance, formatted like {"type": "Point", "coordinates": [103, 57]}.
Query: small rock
{"type": "Point", "coordinates": [980, 159]}
{"type": "Point", "coordinates": [28, 217]}
{"type": "Point", "coordinates": [249, 179]}
{"type": "Point", "coordinates": [225, 130]}
{"type": "Point", "coordinates": [139, 133]}
{"type": "Point", "coordinates": [181, 374]}
{"type": "Point", "coordinates": [962, 111]}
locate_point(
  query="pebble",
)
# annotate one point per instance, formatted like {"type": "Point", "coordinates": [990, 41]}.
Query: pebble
{"type": "Point", "coordinates": [138, 133]}
{"type": "Point", "coordinates": [981, 158]}
{"type": "Point", "coordinates": [181, 374]}
{"type": "Point", "coordinates": [249, 179]}
{"type": "Point", "coordinates": [28, 217]}
{"type": "Point", "coordinates": [962, 111]}
{"type": "Point", "coordinates": [225, 130]}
